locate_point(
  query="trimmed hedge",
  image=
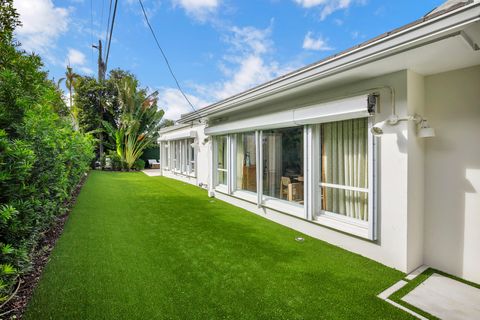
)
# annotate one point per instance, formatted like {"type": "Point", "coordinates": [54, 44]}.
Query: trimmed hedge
{"type": "Point", "coordinates": [42, 159]}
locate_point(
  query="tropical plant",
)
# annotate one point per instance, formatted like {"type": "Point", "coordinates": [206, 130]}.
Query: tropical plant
{"type": "Point", "coordinates": [70, 81]}
{"type": "Point", "coordinates": [138, 124]}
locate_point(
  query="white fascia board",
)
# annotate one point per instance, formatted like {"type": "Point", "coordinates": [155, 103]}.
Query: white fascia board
{"type": "Point", "coordinates": [174, 128]}
{"type": "Point", "coordinates": [398, 42]}
{"type": "Point", "coordinates": [348, 108]}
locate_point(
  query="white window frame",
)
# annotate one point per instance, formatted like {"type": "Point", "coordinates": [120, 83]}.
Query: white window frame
{"type": "Point", "coordinates": [364, 229]}
{"type": "Point", "coordinates": [224, 188]}
{"type": "Point", "coordinates": [191, 153]}
{"type": "Point", "coordinates": [277, 204]}
{"type": "Point", "coordinates": [310, 210]}
{"type": "Point", "coordinates": [164, 155]}
{"type": "Point", "coordinates": [249, 196]}
{"type": "Point", "coordinates": [178, 157]}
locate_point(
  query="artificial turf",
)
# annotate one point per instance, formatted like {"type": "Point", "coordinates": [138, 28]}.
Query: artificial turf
{"type": "Point", "coordinates": [137, 247]}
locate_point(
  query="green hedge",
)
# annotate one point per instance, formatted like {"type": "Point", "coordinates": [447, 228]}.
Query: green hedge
{"type": "Point", "coordinates": [42, 159]}
{"type": "Point", "coordinates": [151, 153]}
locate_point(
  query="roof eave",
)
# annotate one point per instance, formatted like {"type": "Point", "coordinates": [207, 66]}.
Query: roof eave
{"type": "Point", "coordinates": [350, 57]}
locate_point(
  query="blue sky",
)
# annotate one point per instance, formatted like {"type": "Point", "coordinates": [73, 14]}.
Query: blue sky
{"type": "Point", "coordinates": [216, 47]}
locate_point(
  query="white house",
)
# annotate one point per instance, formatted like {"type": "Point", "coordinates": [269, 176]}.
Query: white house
{"type": "Point", "coordinates": [341, 149]}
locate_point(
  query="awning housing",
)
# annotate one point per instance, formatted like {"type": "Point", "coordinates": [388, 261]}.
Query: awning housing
{"type": "Point", "coordinates": [177, 135]}
{"type": "Point", "coordinates": [343, 109]}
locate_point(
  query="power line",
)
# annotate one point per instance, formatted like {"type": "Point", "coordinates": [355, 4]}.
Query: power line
{"type": "Point", "coordinates": [111, 33]}
{"type": "Point", "coordinates": [108, 25]}
{"type": "Point", "coordinates": [164, 56]}
{"type": "Point", "coordinates": [91, 24]}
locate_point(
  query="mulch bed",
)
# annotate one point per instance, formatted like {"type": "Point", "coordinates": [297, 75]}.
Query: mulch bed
{"type": "Point", "coordinates": [15, 308]}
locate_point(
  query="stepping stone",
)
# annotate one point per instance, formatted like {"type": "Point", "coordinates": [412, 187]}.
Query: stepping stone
{"type": "Point", "coordinates": [446, 298]}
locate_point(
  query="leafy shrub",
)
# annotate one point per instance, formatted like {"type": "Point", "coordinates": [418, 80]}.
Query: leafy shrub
{"type": "Point", "coordinates": [139, 164]}
{"type": "Point", "coordinates": [42, 158]}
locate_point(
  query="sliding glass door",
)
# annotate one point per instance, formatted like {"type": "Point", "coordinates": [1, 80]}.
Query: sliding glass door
{"type": "Point", "coordinates": [283, 162]}
{"type": "Point", "coordinates": [222, 150]}
{"type": "Point", "coordinates": [344, 176]}
{"type": "Point", "coordinates": [246, 162]}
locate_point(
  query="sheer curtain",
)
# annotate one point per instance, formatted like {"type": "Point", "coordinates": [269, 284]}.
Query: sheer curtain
{"type": "Point", "coordinates": [345, 165]}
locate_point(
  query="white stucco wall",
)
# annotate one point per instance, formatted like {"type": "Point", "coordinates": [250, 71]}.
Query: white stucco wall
{"type": "Point", "coordinates": [416, 165]}
{"type": "Point", "coordinates": [452, 173]}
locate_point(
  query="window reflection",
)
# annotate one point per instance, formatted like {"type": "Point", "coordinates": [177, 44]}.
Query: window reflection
{"type": "Point", "coordinates": [283, 174]}
{"type": "Point", "coordinates": [246, 172]}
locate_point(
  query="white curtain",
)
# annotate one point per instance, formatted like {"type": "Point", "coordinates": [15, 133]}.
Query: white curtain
{"type": "Point", "coordinates": [345, 163]}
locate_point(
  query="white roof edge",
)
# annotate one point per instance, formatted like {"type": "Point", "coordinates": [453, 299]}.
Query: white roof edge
{"type": "Point", "coordinates": [349, 57]}
{"type": "Point", "coordinates": [175, 127]}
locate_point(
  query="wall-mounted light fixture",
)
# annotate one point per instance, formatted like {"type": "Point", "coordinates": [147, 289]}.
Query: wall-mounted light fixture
{"type": "Point", "coordinates": [424, 129]}
{"type": "Point", "coordinates": [194, 144]}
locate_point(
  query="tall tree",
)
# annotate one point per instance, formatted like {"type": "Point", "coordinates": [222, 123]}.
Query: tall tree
{"type": "Point", "coordinates": [70, 81]}
{"type": "Point", "coordinates": [139, 122]}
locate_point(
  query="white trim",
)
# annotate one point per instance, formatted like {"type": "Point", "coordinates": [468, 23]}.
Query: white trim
{"type": "Point", "coordinates": [334, 222]}
{"type": "Point", "coordinates": [231, 144]}
{"type": "Point", "coordinates": [177, 135]}
{"type": "Point", "coordinates": [259, 155]}
{"type": "Point", "coordinates": [284, 206]}
{"type": "Point", "coordinates": [343, 187]}
{"type": "Point", "coordinates": [372, 183]}
{"type": "Point", "coordinates": [346, 219]}
{"type": "Point", "coordinates": [245, 195]}
{"type": "Point", "coordinates": [411, 37]}
{"type": "Point", "coordinates": [222, 188]}
{"type": "Point", "coordinates": [364, 229]}
{"type": "Point", "coordinates": [306, 170]}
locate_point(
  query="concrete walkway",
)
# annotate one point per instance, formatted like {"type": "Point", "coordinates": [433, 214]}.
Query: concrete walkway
{"type": "Point", "coordinates": [152, 172]}
{"type": "Point", "coordinates": [440, 296]}
{"type": "Point", "coordinates": [446, 298]}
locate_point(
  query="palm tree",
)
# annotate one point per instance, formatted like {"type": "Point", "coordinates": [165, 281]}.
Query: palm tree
{"type": "Point", "coordinates": [70, 80]}
{"type": "Point", "coordinates": [139, 122]}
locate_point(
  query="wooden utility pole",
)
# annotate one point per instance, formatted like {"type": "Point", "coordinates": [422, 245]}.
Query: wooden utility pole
{"type": "Point", "coordinates": [101, 79]}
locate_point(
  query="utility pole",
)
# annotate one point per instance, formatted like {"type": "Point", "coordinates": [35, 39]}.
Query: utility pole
{"type": "Point", "coordinates": [101, 79]}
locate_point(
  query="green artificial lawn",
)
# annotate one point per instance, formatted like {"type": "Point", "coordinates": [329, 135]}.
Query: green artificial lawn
{"type": "Point", "coordinates": [137, 247]}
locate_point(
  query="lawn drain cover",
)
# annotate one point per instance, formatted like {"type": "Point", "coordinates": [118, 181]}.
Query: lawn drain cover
{"type": "Point", "coordinates": [299, 239]}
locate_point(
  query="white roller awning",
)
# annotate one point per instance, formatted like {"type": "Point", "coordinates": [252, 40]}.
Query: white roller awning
{"type": "Point", "coordinates": [179, 134]}
{"type": "Point", "coordinates": [343, 109]}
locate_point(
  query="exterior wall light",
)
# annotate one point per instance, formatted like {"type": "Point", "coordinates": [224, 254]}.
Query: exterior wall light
{"type": "Point", "coordinates": [424, 131]}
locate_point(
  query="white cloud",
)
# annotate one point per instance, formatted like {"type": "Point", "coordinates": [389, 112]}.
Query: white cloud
{"type": "Point", "coordinates": [317, 44]}
{"type": "Point", "coordinates": [174, 104]}
{"type": "Point", "coordinates": [248, 63]}
{"type": "Point", "coordinates": [199, 9]}
{"type": "Point", "coordinates": [75, 57]}
{"type": "Point", "coordinates": [86, 70]}
{"type": "Point", "coordinates": [78, 60]}
{"type": "Point", "coordinates": [42, 24]}
{"type": "Point", "coordinates": [327, 7]}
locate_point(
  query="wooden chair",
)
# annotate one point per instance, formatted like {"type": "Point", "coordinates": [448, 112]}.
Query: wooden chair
{"type": "Point", "coordinates": [284, 183]}
{"type": "Point", "coordinates": [291, 191]}
{"type": "Point", "coordinates": [295, 192]}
